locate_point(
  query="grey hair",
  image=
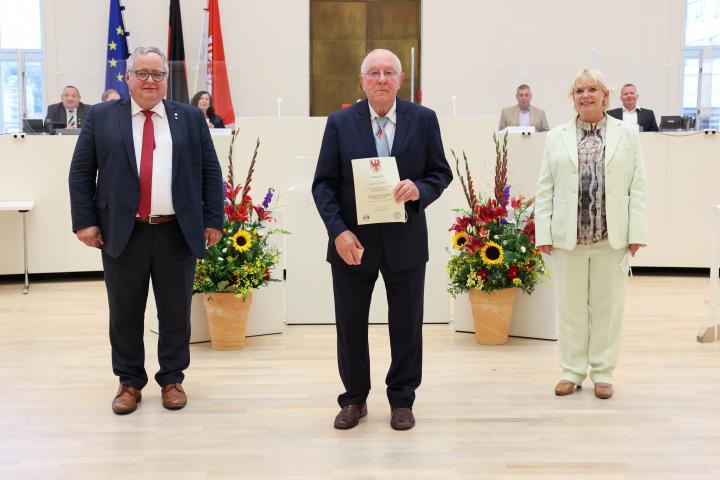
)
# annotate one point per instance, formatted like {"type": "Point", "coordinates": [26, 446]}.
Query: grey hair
{"type": "Point", "coordinates": [107, 93]}
{"type": "Point", "coordinates": [130, 63]}
{"type": "Point", "coordinates": [363, 67]}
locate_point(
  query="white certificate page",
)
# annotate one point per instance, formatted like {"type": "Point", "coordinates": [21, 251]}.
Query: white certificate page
{"type": "Point", "coordinates": [375, 179]}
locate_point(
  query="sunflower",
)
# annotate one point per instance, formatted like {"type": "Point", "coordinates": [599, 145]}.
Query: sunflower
{"type": "Point", "coordinates": [241, 241]}
{"type": "Point", "coordinates": [492, 254]}
{"type": "Point", "coordinates": [460, 239]}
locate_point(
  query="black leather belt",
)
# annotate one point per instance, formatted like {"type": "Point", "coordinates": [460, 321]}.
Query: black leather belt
{"type": "Point", "coordinates": [155, 219]}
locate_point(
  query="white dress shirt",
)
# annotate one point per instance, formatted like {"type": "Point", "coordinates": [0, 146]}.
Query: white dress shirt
{"type": "Point", "coordinates": [161, 202]}
{"type": "Point", "coordinates": [389, 126]}
{"type": "Point", "coordinates": [630, 116]}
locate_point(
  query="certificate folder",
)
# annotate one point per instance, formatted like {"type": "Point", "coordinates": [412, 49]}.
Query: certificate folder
{"type": "Point", "coordinates": [375, 179]}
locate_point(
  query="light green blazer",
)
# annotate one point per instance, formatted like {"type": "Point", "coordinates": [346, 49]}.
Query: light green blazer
{"type": "Point", "coordinates": [556, 201]}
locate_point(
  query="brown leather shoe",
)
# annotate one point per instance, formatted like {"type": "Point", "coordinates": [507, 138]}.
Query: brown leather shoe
{"type": "Point", "coordinates": [126, 399]}
{"type": "Point", "coordinates": [173, 396]}
{"type": "Point", "coordinates": [603, 390]}
{"type": "Point", "coordinates": [566, 387]}
{"type": "Point", "coordinates": [350, 415]}
{"type": "Point", "coordinates": [401, 418]}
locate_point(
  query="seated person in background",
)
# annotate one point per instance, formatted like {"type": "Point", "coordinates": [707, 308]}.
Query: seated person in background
{"type": "Point", "coordinates": [643, 118]}
{"type": "Point", "coordinates": [203, 100]}
{"type": "Point", "coordinates": [522, 114]}
{"type": "Point", "coordinates": [70, 111]}
{"type": "Point", "coordinates": [110, 94]}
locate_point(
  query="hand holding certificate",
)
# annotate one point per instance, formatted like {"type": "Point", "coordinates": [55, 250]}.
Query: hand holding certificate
{"type": "Point", "coordinates": [375, 179]}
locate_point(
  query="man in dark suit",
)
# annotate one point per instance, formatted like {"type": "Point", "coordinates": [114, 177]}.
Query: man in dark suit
{"type": "Point", "coordinates": [70, 111]}
{"type": "Point", "coordinates": [643, 118]}
{"type": "Point", "coordinates": [156, 202]}
{"type": "Point", "coordinates": [380, 126]}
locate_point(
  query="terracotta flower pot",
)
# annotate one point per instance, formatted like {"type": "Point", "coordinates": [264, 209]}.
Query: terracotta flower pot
{"type": "Point", "coordinates": [227, 316]}
{"type": "Point", "coordinates": [492, 313]}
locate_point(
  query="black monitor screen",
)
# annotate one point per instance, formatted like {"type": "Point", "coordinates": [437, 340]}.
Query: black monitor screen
{"type": "Point", "coordinates": [33, 125]}
{"type": "Point", "coordinates": [670, 122]}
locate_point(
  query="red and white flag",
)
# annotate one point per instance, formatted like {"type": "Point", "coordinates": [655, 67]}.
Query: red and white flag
{"type": "Point", "coordinates": [212, 69]}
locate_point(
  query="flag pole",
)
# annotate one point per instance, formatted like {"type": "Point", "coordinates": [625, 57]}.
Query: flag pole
{"type": "Point", "coordinates": [127, 34]}
{"type": "Point", "coordinates": [200, 66]}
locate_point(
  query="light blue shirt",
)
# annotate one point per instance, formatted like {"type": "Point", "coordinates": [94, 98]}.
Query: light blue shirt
{"type": "Point", "coordinates": [525, 118]}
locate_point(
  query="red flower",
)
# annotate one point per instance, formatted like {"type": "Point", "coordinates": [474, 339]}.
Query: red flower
{"type": "Point", "coordinates": [247, 199]}
{"type": "Point", "coordinates": [513, 272]}
{"type": "Point", "coordinates": [262, 214]}
{"type": "Point", "coordinates": [517, 202]}
{"type": "Point", "coordinates": [231, 193]}
{"type": "Point", "coordinates": [461, 224]}
{"type": "Point", "coordinates": [529, 230]}
{"type": "Point", "coordinates": [491, 211]}
{"type": "Point", "coordinates": [267, 275]}
{"type": "Point", "coordinates": [236, 214]}
{"type": "Point", "coordinates": [482, 273]}
{"type": "Point", "coordinates": [473, 245]}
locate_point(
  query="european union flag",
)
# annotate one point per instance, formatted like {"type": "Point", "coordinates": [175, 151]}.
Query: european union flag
{"type": "Point", "coordinates": [117, 50]}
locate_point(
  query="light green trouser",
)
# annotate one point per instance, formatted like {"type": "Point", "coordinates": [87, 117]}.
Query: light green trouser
{"type": "Point", "coordinates": [590, 286]}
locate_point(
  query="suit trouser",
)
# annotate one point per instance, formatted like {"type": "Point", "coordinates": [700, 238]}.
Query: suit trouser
{"type": "Point", "coordinates": [352, 290]}
{"type": "Point", "coordinates": [590, 286]}
{"type": "Point", "coordinates": [157, 252]}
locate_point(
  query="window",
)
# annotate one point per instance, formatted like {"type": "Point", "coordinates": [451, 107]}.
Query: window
{"type": "Point", "coordinates": [21, 51]}
{"type": "Point", "coordinates": [701, 62]}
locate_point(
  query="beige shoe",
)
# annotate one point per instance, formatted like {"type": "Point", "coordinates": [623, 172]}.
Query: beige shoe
{"type": "Point", "coordinates": [566, 387]}
{"type": "Point", "coordinates": [603, 390]}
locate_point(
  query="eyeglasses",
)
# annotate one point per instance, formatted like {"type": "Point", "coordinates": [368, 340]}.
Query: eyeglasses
{"type": "Point", "coordinates": [376, 74]}
{"type": "Point", "coordinates": [143, 75]}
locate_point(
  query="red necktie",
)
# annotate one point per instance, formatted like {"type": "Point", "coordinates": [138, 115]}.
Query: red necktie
{"type": "Point", "coordinates": [146, 166]}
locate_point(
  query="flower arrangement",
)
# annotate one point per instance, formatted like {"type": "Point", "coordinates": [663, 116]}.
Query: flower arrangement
{"type": "Point", "coordinates": [494, 240]}
{"type": "Point", "coordinates": [243, 259]}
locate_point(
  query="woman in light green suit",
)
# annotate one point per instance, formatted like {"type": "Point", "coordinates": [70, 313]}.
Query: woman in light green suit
{"type": "Point", "coordinates": [590, 215]}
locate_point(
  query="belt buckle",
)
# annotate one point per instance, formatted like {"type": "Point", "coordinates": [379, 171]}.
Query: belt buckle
{"type": "Point", "coordinates": [150, 219]}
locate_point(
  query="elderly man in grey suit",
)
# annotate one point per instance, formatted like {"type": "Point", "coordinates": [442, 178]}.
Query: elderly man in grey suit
{"type": "Point", "coordinates": [522, 114]}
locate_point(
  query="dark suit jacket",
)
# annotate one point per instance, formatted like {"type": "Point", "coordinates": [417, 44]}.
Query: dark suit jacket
{"type": "Point", "coordinates": [105, 148]}
{"type": "Point", "coordinates": [56, 113]}
{"type": "Point", "coordinates": [217, 121]}
{"type": "Point", "coordinates": [646, 118]}
{"type": "Point", "coordinates": [417, 147]}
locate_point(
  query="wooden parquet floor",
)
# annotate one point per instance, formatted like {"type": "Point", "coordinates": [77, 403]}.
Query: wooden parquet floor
{"type": "Point", "coordinates": [266, 412]}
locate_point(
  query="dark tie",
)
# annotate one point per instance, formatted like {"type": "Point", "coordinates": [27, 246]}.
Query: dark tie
{"type": "Point", "coordinates": [71, 122]}
{"type": "Point", "coordinates": [381, 142]}
{"type": "Point", "coordinates": [146, 166]}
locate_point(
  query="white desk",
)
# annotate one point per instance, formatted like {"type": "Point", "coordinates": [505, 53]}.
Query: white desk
{"type": "Point", "coordinates": [22, 207]}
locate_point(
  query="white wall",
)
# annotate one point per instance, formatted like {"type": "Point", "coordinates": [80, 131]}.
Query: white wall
{"type": "Point", "coordinates": [477, 50]}
{"type": "Point", "coordinates": [266, 47]}
{"type": "Point", "coordinates": [481, 54]}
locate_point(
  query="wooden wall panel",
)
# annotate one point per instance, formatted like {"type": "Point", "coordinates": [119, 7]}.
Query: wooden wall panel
{"type": "Point", "coordinates": [342, 32]}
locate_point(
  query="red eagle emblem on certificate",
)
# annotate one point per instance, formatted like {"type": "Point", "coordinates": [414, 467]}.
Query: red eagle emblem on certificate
{"type": "Point", "coordinates": [375, 164]}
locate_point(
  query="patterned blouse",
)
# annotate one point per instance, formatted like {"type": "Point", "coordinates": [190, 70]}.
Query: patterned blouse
{"type": "Point", "coordinates": [591, 226]}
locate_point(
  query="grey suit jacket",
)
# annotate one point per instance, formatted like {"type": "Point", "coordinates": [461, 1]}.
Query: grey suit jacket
{"type": "Point", "coordinates": [510, 117]}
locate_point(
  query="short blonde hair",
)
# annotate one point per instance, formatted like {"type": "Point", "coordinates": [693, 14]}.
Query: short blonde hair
{"type": "Point", "coordinates": [596, 78]}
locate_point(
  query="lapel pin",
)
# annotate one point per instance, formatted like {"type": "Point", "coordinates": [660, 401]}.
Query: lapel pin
{"type": "Point", "coordinates": [176, 116]}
